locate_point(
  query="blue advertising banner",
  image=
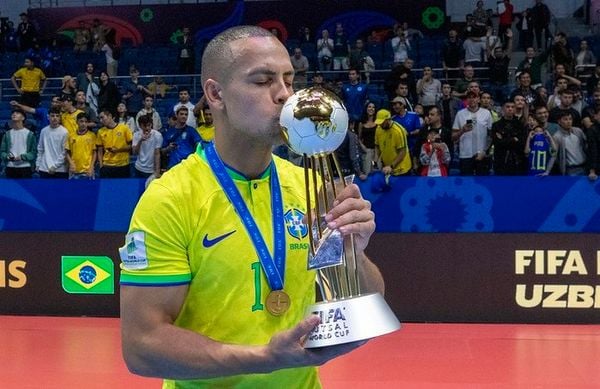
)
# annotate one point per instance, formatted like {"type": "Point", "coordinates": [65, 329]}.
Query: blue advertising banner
{"type": "Point", "coordinates": [487, 204]}
{"type": "Point", "coordinates": [74, 205]}
{"type": "Point", "coordinates": [414, 204]}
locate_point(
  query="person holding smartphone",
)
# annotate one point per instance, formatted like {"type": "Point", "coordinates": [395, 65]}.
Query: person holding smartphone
{"type": "Point", "coordinates": [471, 130]}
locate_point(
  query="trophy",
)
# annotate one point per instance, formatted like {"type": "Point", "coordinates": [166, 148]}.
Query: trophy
{"type": "Point", "coordinates": [314, 123]}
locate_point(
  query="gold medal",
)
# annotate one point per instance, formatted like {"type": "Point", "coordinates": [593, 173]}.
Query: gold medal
{"type": "Point", "coordinates": [278, 302]}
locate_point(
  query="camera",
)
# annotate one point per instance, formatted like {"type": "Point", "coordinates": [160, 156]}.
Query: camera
{"type": "Point", "coordinates": [469, 121]}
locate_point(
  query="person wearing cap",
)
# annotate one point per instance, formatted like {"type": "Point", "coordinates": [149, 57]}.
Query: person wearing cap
{"type": "Point", "coordinates": [33, 82]}
{"type": "Point", "coordinates": [471, 129]}
{"type": "Point", "coordinates": [391, 147]}
{"type": "Point", "coordinates": [409, 121]}
{"type": "Point", "coordinates": [18, 147]}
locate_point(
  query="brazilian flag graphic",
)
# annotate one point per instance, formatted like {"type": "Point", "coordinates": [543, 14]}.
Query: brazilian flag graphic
{"type": "Point", "coordinates": [88, 275]}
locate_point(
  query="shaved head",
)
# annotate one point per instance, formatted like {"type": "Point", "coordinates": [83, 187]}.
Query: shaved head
{"type": "Point", "coordinates": [217, 57]}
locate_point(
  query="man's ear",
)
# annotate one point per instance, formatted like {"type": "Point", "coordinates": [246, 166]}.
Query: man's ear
{"type": "Point", "coordinates": [213, 92]}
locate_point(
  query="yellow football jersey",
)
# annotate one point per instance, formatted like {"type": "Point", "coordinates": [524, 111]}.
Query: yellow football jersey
{"type": "Point", "coordinates": [81, 147]}
{"type": "Point", "coordinates": [184, 230]}
{"type": "Point", "coordinates": [118, 137]}
{"type": "Point", "coordinates": [69, 121]}
{"type": "Point", "coordinates": [390, 142]}
{"type": "Point", "coordinates": [207, 133]}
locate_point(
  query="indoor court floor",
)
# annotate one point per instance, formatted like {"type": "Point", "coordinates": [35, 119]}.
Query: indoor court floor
{"type": "Point", "coordinates": [57, 352]}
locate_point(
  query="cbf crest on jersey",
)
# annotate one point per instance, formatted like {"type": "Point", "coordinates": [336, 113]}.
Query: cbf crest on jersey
{"type": "Point", "coordinates": [295, 224]}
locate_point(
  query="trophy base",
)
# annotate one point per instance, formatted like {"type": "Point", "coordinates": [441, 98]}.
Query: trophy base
{"type": "Point", "coordinates": [351, 320]}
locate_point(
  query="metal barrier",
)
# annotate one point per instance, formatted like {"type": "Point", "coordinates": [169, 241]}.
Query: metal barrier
{"type": "Point", "coordinates": [54, 84]}
{"type": "Point", "coordinates": [194, 84]}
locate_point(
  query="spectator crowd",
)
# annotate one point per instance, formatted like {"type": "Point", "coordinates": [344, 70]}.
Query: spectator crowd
{"type": "Point", "coordinates": [465, 118]}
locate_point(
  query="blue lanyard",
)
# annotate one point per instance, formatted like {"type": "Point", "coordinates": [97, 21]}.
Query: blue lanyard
{"type": "Point", "coordinates": [274, 268]}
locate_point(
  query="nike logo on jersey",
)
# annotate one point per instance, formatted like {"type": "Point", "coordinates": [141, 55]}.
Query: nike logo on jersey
{"type": "Point", "coordinates": [211, 242]}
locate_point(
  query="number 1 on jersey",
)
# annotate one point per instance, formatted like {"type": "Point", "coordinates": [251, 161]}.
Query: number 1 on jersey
{"type": "Point", "coordinates": [258, 306]}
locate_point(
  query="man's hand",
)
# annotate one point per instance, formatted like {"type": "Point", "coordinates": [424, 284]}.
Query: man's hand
{"type": "Point", "coordinates": [386, 170]}
{"type": "Point", "coordinates": [351, 214]}
{"type": "Point", "coordinates": [286, 348]}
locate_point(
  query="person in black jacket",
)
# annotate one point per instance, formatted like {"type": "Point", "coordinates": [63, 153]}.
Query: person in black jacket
{"type": "Point", "coordinates": [508, 139]}
{"type": "Point", "coordinates": [186, 56]}
{"type": "Point", "coordinates": [593, 139]}
{"type": "Point", "coordinates": [109, 96]}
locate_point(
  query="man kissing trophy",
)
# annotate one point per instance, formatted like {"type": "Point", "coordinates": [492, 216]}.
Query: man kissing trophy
{"type": "Point", "coordinates": [314, 123]}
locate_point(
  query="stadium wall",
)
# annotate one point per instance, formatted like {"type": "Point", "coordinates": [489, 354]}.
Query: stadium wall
{"type": "Point", "coordinates": [490, 249]}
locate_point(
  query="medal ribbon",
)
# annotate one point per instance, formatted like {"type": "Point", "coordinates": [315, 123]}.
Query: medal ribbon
{"type": "Point", "coordinates": [274, 267]}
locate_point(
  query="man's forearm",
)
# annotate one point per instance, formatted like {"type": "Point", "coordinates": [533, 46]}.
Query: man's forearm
{"type": "Point", "coordinates": [175, 353]}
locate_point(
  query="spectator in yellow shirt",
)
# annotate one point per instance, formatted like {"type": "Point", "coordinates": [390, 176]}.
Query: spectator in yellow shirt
{"type": "Point", "coordinates": [81, 150]}
{"type": "Point", "coordinates": [207, 129]}
{"type": "Point", "coordinates": [33, 82]}
{"type": "Point", "coordinates": [114, 144]}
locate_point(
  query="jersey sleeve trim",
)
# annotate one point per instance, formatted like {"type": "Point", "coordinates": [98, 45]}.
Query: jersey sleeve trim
{"type": "Point", "coordinates": [155, 280]}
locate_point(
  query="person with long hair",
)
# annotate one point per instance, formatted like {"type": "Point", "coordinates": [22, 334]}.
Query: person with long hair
{"type": "Point", "coordinates": [123, 117]}
{"type": "Point", "coordinates": [109, 96]}
{"type": "Point", "coordinates": [366, 136]}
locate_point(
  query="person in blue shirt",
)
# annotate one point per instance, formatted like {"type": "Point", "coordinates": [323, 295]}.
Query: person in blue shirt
{"type": "Point", "coordinates": [355, 97]}
{"type": "Point", "coordinates": [134, 92]}
{"type": "Point", "coordinates": [540, 149]}
{"type": "Point", "coordinates": [40, 114]}
{"type": "Point", "coordinates": [409, 120]}
{"type": "Point", "coordinates": [181, 140]}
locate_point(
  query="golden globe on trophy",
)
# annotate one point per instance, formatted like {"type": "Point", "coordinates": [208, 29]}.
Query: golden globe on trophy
{"type": "Point", "coordinates": [314, 123]}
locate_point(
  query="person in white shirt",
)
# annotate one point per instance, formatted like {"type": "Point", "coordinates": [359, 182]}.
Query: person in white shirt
{"type": "Point", "coordinates": [51, 161]}
{"type": "Point", "coordinates": [184, 100]}
{"type": "Point", "coordinates": [474, 51]}
{"type": "Point", "coordinates": [148, 109]}
{"type": "Point", "coordinates": [400, 46]}
{"type": "Point", "coordinates": [18, 147]}
{"type": "Point", "coordinates": [146, 145]}
{"type": "Point", "coordinates": [471, 130]}
{"type": "Point", "coordinates": [325, 51]}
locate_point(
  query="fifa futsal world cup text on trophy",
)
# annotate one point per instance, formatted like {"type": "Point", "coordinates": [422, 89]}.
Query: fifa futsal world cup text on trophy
{"type": "Point", "coordinates": [314, 123]}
